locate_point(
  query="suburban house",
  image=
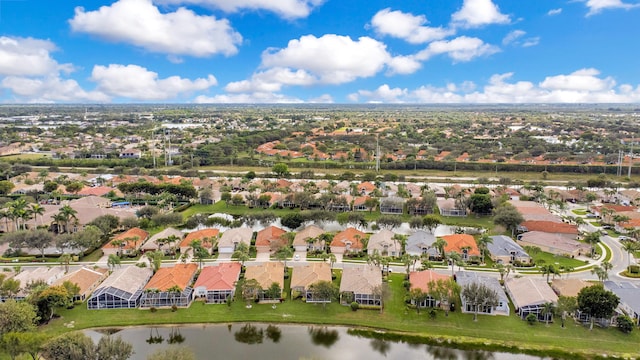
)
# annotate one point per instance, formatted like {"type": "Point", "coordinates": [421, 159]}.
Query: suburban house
{"type": "Point", "coordinates": [348, 241]}
{"type": "Point", "coordinates": [126, 243]}
{"type": "Point", "coordinates": [569, 287]}
{"type": "Point", "coordinates": [307, 239]}
{"type": "Point", "coordinates": [629, 294]}
{"type": "Point", "coordinates": [467, 277]}
{"type": "Point", "coordinates": [392, 205]}
{"type": "Point", "coordinates": [360, 203]}
{"type": "Point", "coordinates": [266, 274]}
{"type": "Point", "coordinates": [557, 244]}
{"type": "Point", "coordinates": [207, 238]}
{"type": "Point", "coordinates": [463, 244]}
{"type": "Point", "coordinates": [165, 241]}
{"type": "Point", "coordinates": [529, 296]}
{"type": "Point", "coordinates": [28, 276]}
{"type": "Point", "coordinates": [384, 244]}
{"type": "Point", "coordinates": [504, 250]}
{"type": "Point", "coordinates": [365, 188]}
{"type": "Point", "coordinates": [420, 243]}
{"type": "Point", "coordinates": [421, 280]}
{"type": "Point", "coordinates": [86, 279]}
{"type": "Point", "coordinates": [448, 207]}
{"type": "Point", "coordinates": [270, 239]}
{"type": "Point", "coordinates": [550, 227]}
{"type": "Point", "coordinates": [304, 276]}
{"type": "Point", "coordinates": [232, 237]}
{"type": "Point", "coordinates": [121, 290]}
{"type": "Point", "coordinates": [130, 154]}
{"type": "Point", "coordinates": [361, 285]}
{"type": "Point", "coordinates": [170, 286]}
{"type": "Point", "coordinates": [217, 283]}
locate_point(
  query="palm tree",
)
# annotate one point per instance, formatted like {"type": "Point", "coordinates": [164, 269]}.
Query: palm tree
{"type": "Point", "coordinates": [113, 261]}
{"type": "Point", "coordinates": [592, 239]}
{"type": "Point", "coordinates": [606, 266]}
{"type": "Point", "coordinates": [600, 273]}
{"type": "Point", "coordinates": [630, 247]}
{"type": "Point", "coordinates": [547, 311]}
{"type": "Point", "coordinates": [439, 244]}
{"type": "Point", "coordinates": [241, 253]}
{"type": "Point", "coordinates": [549, 270]}
{"type": "Point", "coordinates": [454, 258]}
{"type": "Point", "coordinates": [37, 209]}
{"type": "Point", "coordinates": [483, 243]}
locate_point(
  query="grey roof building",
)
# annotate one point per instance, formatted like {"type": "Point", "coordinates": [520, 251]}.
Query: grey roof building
{"type": "Point", "coordinates": [421, 242]}
{"type": "Point", "coordinates": [467, 277]}
{"type": "Point", "coordinates": [504, 250]}
{"type": "Point", "coordinates": [629, 294]}
{"type": "Point", "coordinates": [121, 290]}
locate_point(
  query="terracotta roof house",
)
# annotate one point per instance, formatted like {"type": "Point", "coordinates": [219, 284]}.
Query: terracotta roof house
{"type": "Point", "coordinates": [550, 227]}
{"type": "Point", "coordinates": [126, 243]}
{"type": "Point", "coordinates": [301, 240]}
{"type": "Point", "coordinates": [360, 284]}
{"type": "Point", "coordinates": [504, 250]}
{"type": "Point", "coordinates": [569, 287]}
{"type": "Point", "coordinates": [208, 238]}
{"type": "Point", "coordinates": [266, 274]}
{"type": "Point", "coordinates": [463, 244]}
{"type": "Point", "coordinates": [421, 243]}
{"type": "Point", "coordinates": [448, 207]}
{"type": "Point", "coordinates": [347, 241]}
{"type": "Point", "coordinates": [359, 203]}
{"type": "Point", "coordinates": [465, 278]}
{"type": "Point", "coordinates": [232, 237]}
{"type": "Point", "coordinates": [629, 294]}
{"type": "Point", "coordinates": [384, 244]}
{"type": "Point", "coordinates": [26, 277]}
{"type": "Point", "coordinates": [162, 289]}
{"type": "Point", "coordinates": [160, 241]}
{"type": "Point", "coordinates": [421, 280]}
{"type": "Point", "coordinates": [217, 283]}
{"type": "Point", "coordinates": [86, 279]}
{"type": "Point", "coordinates": [269, 239]}
{"type": "Point", "coordinates": [557, 244]}
{"type": "Point", "coordinates": [121, 290]}
{"type": "Point", "coordinates": [529, 296]}
{"type": "Point", "coordinates": [365, 188]}
{"type": "Point", "coordinates": [304, 276]}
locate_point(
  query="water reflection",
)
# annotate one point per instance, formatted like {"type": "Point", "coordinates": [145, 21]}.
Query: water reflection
{"type": "Point", "coordinates": [249, 334]}
{"type": "Point", "coordinates": [380, 346]}
{"type": "Point", "coordinates": [289, 342]}
{"type": "Point", "coordinates": [323, 336]}
{"type": "Point", "coordinates": [273, 333]}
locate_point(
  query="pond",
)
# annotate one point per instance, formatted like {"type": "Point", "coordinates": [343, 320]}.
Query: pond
{"type": "Point", "coordinates": [262, 341]}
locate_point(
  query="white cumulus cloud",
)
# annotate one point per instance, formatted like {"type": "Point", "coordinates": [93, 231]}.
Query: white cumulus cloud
{"type": "Point", "coordinates": [478, 13]}
{"type": "Point", "coordinates": [596, 6]}
{"type": "Point", "coordinates": [553, 12]}
{"type": "Point", "coordinates": [28, 57]}
{"type": "Point", "coordinates": [49, 89]}
{"type": "Point", "coordinates": [515, 38]}
{"type": "Point", "coordinates": [460, 49]}
{"type": "Point", "coordinates": [285, 8]}
{"type": "Point", "coordinates": [332, 59]}
{"type": "Point", "coordinates": [581, 86]}
{"type": "Point", "coordinates": [252, 98]}
{"type": "Point", "coordinates": [407, 26]}
{"type": "Point", "coordinates": [271, 80]}
{"type": "Point", "coordinates": [141, 23]}
{"type": "Point", "coordinates": [137, 83]}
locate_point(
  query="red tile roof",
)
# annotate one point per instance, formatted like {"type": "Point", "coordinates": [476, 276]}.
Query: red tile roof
{"type": "Point", "coordinates": [133, 233]}
{"type": "Point", "coordinates": [220, 277]}
{"type": "Point", "coordinates": [550, 227]}
{"type": "Point", "coordinates": [269, 234]}
{"type": "Point", "coordinates": [180, 275]}
{"type": "Point", "coordinates": [199, 235]}
{"type": "Point", "coordinates": [349, 235]}
{"type": "Point", "coordinates": [421, 279]}
{"type": "Point", "coordinates": [457, 241]}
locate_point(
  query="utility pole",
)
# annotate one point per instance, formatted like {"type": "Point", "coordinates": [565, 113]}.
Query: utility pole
{"type": "Point", "coordinates": [377, 154]}
{"type": "Point", "coordinates": [630, 158]}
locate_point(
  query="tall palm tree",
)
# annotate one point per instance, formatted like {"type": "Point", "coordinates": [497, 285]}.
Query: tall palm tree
{"type": "Point", "coordinates": [68, 213]}
{"type": "Point", "coordinates": [37, 210]}
{"type": "Point", "coordinates": [439, 244]}
{"type": "Point", "coordinates": [547, 311]}
{"type": "Point", "coordinates": [630, 247]}
{"type": "Point", "coordinates": [592, 239]}
{"type": "Point", "coordinates": [454, 258]}
{"type": "Point", "coordinates": [483, 245]}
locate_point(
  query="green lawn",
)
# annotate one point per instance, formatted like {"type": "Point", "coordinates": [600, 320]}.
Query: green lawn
{"type": "Point", "coordinates": [581, 212]}
{"type": "Point", "coordinates": [549, 258]}
{"type": "Point", "coordinates": [488, 330]}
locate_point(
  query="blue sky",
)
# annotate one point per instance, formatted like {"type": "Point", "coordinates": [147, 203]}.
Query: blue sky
{"type": "Point", "coordinates": [319, 51]}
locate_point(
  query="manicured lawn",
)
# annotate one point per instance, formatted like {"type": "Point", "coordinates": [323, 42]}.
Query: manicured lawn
{"type": "Point", "coordinates": [581, 212]}
{"type": "Point", "coordinates": [549, 258]}
{"type": "Point", "coordinates": [503, 330]}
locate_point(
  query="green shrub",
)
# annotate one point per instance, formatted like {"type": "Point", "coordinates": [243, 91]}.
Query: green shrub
{"type": "Point", "coordinates": [531, 319]}
{"type": "Point", "coordinates": [625, 324]}
{"type": "Point", "coordinates": [355, 306]}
